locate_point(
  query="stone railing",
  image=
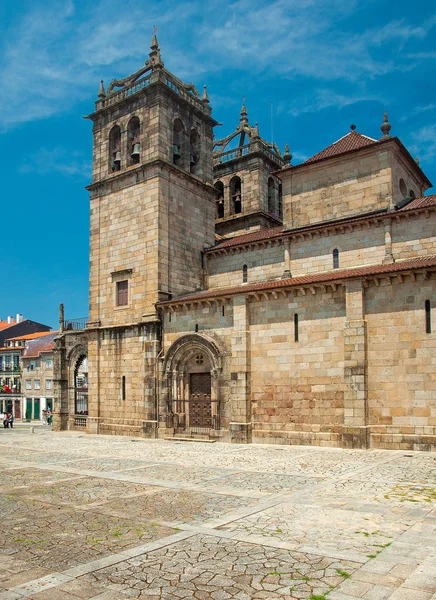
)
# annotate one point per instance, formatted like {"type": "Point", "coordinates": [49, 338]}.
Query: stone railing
{"type": "Point", "coordinates": [79, 421]}
{"type": "Point", "coordinates": [125, 93]}
{"type": "Point", "coordinates": [75, 324]}
{"type": "Point", "coordinates": [256, 146]}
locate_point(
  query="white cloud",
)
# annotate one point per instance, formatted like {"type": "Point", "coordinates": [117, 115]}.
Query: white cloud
{"type": "Point", "coordinates": [324, 98]}
{"type": "Point", "coordinates": [424, 143]}
{"type": "Point", "coordinates": [55, 56]}
{"type": "Point", "coordinates": [61, 160]}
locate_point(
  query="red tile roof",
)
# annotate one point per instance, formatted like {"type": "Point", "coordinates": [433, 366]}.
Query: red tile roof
{"type": "Point", "coordinates": [38, 345]}
{"type": "Point", "coordinates": [351, 141]}
{"type": "Point", "coordinates": [31, 336]}
{"type": "Point", "coordinates": [273, 232]}
{"type": "Point", "coordinates": [5, 324]}
{"type": "Point", "coordinates": [420, 203]}
{"type": "Point", "coordinates": [337, 275]}
{"type": "Point", "coordinates": [254, 236]}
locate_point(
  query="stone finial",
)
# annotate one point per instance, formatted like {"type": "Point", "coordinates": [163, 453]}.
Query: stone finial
{"type": "Point", "coordinates": [386, 127]}
{"type": "Point", "coordinates": [205, 97]}
{"type": "Point", "coordinates": [154, 43]}
{"type": "Point", "coordinates": [417, 160]}
{"type": "Point", "coordinates": [287, 156]}
{"type": "Point", "coordinates": [255, 134]}
{"type": "Point", "coordinates": [353, 127]}
{"type": "Point", "coordinates": [155, 58]}
{"type": "Point", "coordinates": [244, 116]}
{"type": "Point", "coordinates": [61, 318]}
{"type": "Point", "coordinates": [101, 92]}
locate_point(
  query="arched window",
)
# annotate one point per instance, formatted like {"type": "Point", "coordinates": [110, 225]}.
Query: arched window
{"type": "Point", "coordinates": [194, 152]}
{"type": "Point", "coordinates": [178, 133]}
{"type": "Point", "coordinates": [335, 258]}
{"type": "Point", "coordinates": [244, 274]}
{"type": "Point", "coordinates": [133, 142]}
{"type": "Point", "coordinates": [236, 194]}
{"type": "Point", "coordinates": [219, 185]}
{"type": "Point", "coordinates": [115, 149]}
{"type": "Point", "coordinates": [81, 386]}
{"type": "Point", "coordinates": [412, 194]}
{"type": "Point", "coordinates": [271, 196]}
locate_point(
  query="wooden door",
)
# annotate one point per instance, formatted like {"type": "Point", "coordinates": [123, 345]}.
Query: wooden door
{"type": "Point", "coordinates": [200, 414]}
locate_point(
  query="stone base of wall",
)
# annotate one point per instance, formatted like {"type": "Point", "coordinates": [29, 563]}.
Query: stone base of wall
{"type": "Point", "coordinates": [389, 441]}
{"type": "Point", "coordinates": [60, 421]}
{"type": "Point", "coordinates": [373, 437]}
{"type": "Point", "coordinates": [297, 438]}
{"type": "Point", "coordinates": [240, 433]}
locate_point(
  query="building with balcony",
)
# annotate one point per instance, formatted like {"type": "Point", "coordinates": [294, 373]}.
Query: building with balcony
{"type": "Point", "coordinates": [13, 345]}
{"type": "Point", "coordinates": [37, 375]}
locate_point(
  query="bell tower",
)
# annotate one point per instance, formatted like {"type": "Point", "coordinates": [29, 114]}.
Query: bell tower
{"type": "Point", "coordinates": [249, 194]}
{"type": "Point", "coordinates": [152, 214]}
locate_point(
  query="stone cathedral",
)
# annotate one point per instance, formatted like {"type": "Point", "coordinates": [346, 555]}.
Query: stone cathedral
{"type": "Point", "coordinates": [236, 297]}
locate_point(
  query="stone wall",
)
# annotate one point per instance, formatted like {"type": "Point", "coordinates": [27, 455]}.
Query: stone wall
{"type": "Point", "coordinates": [337, 188]}
{"type": "Point", "coordinates": [401, 364]}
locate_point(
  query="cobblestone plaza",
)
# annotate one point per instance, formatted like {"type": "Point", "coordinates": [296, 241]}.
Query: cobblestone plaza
{"type": "Point", "coordinates": [107, 518]}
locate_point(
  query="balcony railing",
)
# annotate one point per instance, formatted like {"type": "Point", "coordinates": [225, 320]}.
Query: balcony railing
{"type": "Point", "coordinates": [9, 369]}
{"type": "Point", "coordinates": [79, 421]}
{"type": "Point", "coordinates": [75, 324]}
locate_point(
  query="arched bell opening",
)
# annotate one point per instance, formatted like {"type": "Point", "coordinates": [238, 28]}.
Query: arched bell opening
{"type": "Point", "coordinates": [133, 141]}
{"type": "Point", "coordinates": [115, 149]}
{"type": "Point", "coordinates": [194, 152]}
{"type": "Point", "coordinates": [192, 368]}
{"type": "Point", "coordinates": [178, 149]}
{"type": "Point", "coordinates": [236, 195]}
{"type": "Point", "coordinates": [219, 186]}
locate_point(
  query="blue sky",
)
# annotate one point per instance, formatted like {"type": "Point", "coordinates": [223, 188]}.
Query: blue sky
{"type": "Point", "coordinates": [324, 63]}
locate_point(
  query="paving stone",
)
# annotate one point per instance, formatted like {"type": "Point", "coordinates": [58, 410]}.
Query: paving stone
{"type": "Point", "coordinates": [96, 518]}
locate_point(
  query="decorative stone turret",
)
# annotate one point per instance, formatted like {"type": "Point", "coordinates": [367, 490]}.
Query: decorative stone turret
{"type": "Point", "coordinates": [249, 195]}
{"type": "Point", "coordinates": [386, 127]}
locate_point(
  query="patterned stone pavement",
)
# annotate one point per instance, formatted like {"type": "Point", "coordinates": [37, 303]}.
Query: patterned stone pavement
{"type": "Point", "coordinates": [108, 518]}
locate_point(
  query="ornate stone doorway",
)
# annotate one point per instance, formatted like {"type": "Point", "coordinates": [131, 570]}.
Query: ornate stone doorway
{"type": "Point", "coordinates": [190, 394]}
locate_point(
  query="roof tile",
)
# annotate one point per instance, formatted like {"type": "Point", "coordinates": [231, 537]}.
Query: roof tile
{"type": "Point", "coordinates": [351, 141]}
{"type": "Point", "coordinates": [416, 263]}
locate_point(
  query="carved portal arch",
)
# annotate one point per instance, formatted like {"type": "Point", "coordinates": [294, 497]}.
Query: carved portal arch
{"type": "Point", "coordinates": [78, 380]}
{"type": "Point", "coordinates": [192, 369]}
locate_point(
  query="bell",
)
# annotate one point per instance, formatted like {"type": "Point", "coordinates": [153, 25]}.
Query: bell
{"type": "Point", "coordinates": [176, 152]}
{"type": "Point", "coordinates": [192, 159]}
{"type": "Point", "coordinates": [136, 151]}
{"type": "Point", "coordinates": [117, 160]}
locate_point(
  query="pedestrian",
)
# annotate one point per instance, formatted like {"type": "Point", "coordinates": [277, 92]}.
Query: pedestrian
{"type": "Point", "coordinates": [6, 420]}
{"type": "Point", "coordinates": [44, 417]}
{"type": "Point", "coordinates": [11, 421]}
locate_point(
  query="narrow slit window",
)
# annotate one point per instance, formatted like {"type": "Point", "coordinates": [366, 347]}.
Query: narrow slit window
{"type": "Point", "coordinates": [336, 258]}
{"type": "Point", "coordinates": [123, 387]}
{"type": "Point", "coordinates": [296, 327]}
{"type": "Point", "coordinates": [223, 310]}
{"type": "Point", "coordinates": [169, 317]}
{"type": "Point", "coordinates": [244, 274]}
{"type": "Point", "coordinates": [427, 316]}
{"type": "Point", "coordinates": [196, 327]}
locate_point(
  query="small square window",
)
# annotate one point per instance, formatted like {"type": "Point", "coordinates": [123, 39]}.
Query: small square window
{"type": "Point", "coordinates": [122, 293]}
{"type": "Point", "coordinates": [32, 366]}
{"type": "Point", "coordinates": [37, 384]}
{"type": "Point", "coordinates": [48, 363]}
{"type": "Point", "coordinates": [28, 384]}
{"type": "Point", "coordinates": [48, 384]}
